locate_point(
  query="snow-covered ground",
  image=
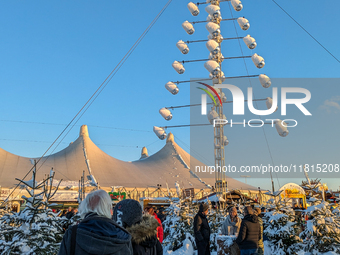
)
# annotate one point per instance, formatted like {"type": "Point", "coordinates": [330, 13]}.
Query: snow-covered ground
{"type": "Point", "coordinates": [187, 249]}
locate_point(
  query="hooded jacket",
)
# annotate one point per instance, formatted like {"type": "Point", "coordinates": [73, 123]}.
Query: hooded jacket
{"type": "Point", "coordinates": [250, 233]}
{"type": "Point", "coordinates": [97, 235]}
{"type": "Point", "coordinates": [144, 237]}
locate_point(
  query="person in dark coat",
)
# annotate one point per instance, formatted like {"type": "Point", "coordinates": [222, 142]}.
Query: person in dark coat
{"type": "Point", "coordinates": [70, 213]}
{"type": "Point", "coordinates": [63, 213]}
{"type": "Point", "coordinates": [97, 233]}
{"type": "Point", "coordinates": [202, 230]}
{"type": "Point", "coordinates": [144, 237]}
{"type": "Point", "coordinates": [143, 229]}
{"type": "Point", "coordinates": [161, 216]}
{"type": "Point", "coordinates": [250, 232]}
{"type": "Point", "coordinates": [260, 249]}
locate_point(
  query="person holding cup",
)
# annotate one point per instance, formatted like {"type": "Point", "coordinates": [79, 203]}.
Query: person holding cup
{"type": "Point", "coordinates": [231, 225]}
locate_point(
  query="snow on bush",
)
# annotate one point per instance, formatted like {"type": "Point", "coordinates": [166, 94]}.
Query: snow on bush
{"type": "Point", "coordinates": [186, 249]}
{"type": "Point", "coordinates": [322, 232]}
{"type": "Point", "coordinates": [178, 225]}
{"type": "Point", "coordinates": [36, 229]}
{"type": "Point", "coordinates": [281, 229]}
{"type": "Point", "coordinates": [216, 219]}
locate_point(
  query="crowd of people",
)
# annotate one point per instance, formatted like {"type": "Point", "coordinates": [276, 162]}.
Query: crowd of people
{"type": "Point", "coordinates": [126, 229]}
{"type": "Point", "coordinates": [249, 230]}
{"type": "Point", "coordinates": [69, 213]}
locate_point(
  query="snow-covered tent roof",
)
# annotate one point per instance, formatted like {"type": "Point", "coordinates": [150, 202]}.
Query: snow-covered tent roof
{"type": "Point", "coordinates": [167, 166]}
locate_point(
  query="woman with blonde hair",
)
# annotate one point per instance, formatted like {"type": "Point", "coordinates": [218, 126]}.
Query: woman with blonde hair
{"type": "Point", "coordinates": [231, 225]}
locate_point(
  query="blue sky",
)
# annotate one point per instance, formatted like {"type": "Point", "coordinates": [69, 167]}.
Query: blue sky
{"type": "Point", "coordinates": [55, 54]}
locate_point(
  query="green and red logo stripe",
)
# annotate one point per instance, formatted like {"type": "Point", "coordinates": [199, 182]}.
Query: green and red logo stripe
{"type": "Point", "coordinates": [208, 92]}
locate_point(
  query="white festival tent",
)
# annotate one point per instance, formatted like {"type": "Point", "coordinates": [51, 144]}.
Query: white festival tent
{"type": "Point", "coordinates": [169, 167]}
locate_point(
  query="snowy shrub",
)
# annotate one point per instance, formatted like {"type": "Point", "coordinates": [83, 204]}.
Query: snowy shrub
{"type": "Point", "coordinates": [280, 229]}
{"type": "Point", "coordinates": [178, 225]}
{"type": "Point", "coordinates": [322, 232]}
{"type": "Point", "coordinates": [36, 229]}
{"type": "Point", "coordinates": [216, 219]}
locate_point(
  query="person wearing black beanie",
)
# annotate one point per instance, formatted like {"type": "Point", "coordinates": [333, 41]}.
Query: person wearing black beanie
{"type": "Point", "coordinates": [127, 212]}
{"type": "Point", "coordinates": [202, 230]}
{"type": "Point", "coordinates": [143, 228]}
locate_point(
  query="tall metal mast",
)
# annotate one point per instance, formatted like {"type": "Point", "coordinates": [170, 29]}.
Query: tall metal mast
{"type": "Point", "coordinates": [219, 153]}
{"type": "Point", "coordinates": [214, 65]}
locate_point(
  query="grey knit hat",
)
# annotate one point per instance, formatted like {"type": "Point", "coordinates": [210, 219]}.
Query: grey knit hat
{"type": "Point", "coordinates": [127, 213]}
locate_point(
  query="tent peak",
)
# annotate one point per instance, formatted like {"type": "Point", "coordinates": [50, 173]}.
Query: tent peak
{"type": "Point", "coordinates": [170, 138]}
{"type": "Point", "coordinates": [84, 131]}
{"type": "Point", "coordinates": [144, 153]}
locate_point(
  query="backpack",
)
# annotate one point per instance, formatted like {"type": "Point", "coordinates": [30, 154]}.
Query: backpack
{"type": "Point", "coordinates": [73, 239]}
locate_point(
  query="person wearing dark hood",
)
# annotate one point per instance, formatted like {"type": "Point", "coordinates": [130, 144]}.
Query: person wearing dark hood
{"type": "Point", "coordinates": [97, 233]}
{"type": "Point", "coordinates": [202, 230]}
{"type": "Point", "coordinates": [143, 228]}
{"type": "Point", "coordinates": [250, 233]}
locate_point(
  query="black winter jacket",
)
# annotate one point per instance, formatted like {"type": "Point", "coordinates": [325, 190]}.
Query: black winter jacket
{"type": "Point", "coordinates": [97, 235]}
{"type": "Point", "coordinates": [201, 228]}
{"type": "Point", "coordinates": [250, 233]}
{"type": "Point", "coordinates": [144, 237]}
